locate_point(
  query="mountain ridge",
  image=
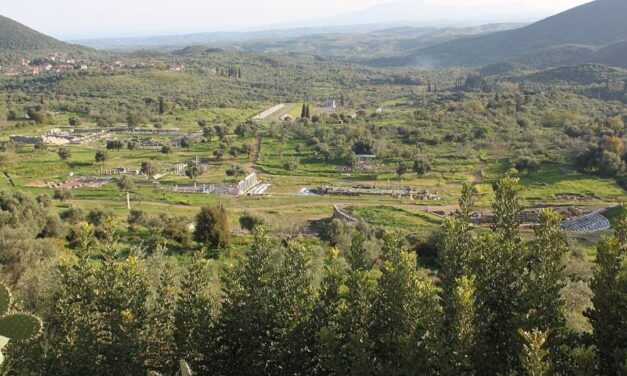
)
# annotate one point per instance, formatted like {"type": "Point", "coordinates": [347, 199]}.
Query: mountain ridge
{"type": "Point", "coordinates": [596, 24]}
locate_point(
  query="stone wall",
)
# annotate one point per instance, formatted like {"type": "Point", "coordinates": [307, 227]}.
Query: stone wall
{"type": "Point", "coordinates": [342, 216]}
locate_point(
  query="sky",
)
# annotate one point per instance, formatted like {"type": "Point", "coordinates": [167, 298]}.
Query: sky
{"type": "Point", "coordinates": [68, 19]}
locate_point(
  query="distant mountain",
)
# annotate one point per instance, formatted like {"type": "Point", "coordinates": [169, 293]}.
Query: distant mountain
{"type": "Point", "coordinates": [571, 37]}
{"type": "Point", "coordinates": [221, 38]}
{"type": "Point", "coordinates": [584, 74]}
{"type": "Point", "coordinates": [354, 44]}
{"type": "Point", "coordinates": [614, 54]}
{"type": "Point", "coordinates": [16, 37]}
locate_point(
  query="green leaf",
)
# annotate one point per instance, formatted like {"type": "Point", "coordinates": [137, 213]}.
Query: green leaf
{"type": "Point", "coordinates": [20, 326]}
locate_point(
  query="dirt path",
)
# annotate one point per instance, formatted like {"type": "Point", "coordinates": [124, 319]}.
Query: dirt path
{"type": "Point", "coordinates": [289, 107]}
{"type": "Point", "coordinates": [478, 174]}
{"type": "Point", "coordinates": [255, 154]}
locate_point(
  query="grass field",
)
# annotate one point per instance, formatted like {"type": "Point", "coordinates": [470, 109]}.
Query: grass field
{"type": "Point", "coordinates": [282, 208]}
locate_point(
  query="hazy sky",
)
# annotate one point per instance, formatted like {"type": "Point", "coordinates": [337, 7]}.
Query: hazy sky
{"type": "Point", "coordinates": [85, 18]}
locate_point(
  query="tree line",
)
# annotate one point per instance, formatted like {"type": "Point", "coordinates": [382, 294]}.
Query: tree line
{"type": "Point", "coordinates": [495, 307]}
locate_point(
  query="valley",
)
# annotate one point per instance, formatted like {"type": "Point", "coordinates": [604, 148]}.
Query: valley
{"type": "Point", "coordinates": [430, 196]}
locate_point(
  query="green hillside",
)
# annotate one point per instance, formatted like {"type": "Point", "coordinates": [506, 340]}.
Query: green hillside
{"type": "Point", "coordinates": [596, 24]}
{"type": "Point", "coordinates": [16, 37]}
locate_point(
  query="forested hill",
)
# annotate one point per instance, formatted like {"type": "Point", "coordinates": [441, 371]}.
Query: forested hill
{"type": "Point", "coordinates": [17, 37]}
{"type": "Point", "coordinates": [598, 23]}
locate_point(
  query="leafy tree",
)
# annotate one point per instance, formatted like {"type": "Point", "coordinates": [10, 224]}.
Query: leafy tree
{"type": "Point", "coordinates": [250, 222]}
{"type": "Point", "coordinates": [193, 171]}
{"type": "Point", "coordinates": [115, 145]}
{"type": "Point", "coordinates": [460, 344]}
{"type": "Point", "coordinates": [351, 160]}
{"type": "Point", "coordinates": [401, 170]}
{"type": "Point", "coordinates": [421, 166]}
{"type": "Point", "coordinates": [404, 315]}
{"type": "Point", "coordinates": [137, 218]}
{"type": "Point", "coordinates": [616, 124]}
{"type": "Point", "coordinates": [186, 142]}
{"type": "Point", "coordinates": [134, 119]}
{"type": "Point", "coordinates": [614, 145]}
{"type": "Point", "coordinates": [72, 215]}
{"type": "Point", "coordinates": [148, 169]}
{"type": "Point", "coordinates": [212, 227]}
{"type": "Point", "coordinates": [195, 316]}
{"type": "Point", "coordinates": [611, 164]}
{"type": "Point", "coordinates": [245, 323]}
{"type": "Point", "coordinates": [101, 156]}
{"type": "Point", "coordinates": [125, 183]}
{"type": "Point", "coordinates": [534, 357]}
{"type": "Point", "coordinates": [62, 194]}
{"type": "Point", "coordinates": [165, 149]}
{"type": "Point", "coordinates": [500, 272]}
{"type": "Point", "coordinates": [246, 149]}
{"type": "Point", "coordinates": [221, 131]}
{"type": "Point", "coordinates": [41, 117]}
{"type": "Point", "coordinates": [290, 165]}
{"type": "Point", "coordinates": [132, 145]}
{"type": "Point", "coordinates": [458, 297]}
{"type": "Point", "coordinates": [528, 164]}
{"type": "Point", "coordinates": [363, 146]}
{"type": "Point", "coordinates": [44, 200]}
{"type": "Point", "coordinates": [235, 171]}
{"type": "Point", "coordinates": [609, 315]}
{"type": "Point", "coordinates": [292, 302]}
{"type": "Point", "coordinates": [64, 153]}
{"type": "Point", "coordinates": [208, 133]}
{"type": "Point", "coordinates": [161, 328]}
{"type": "Point", "coordinates": [74, 121]}
{"type": "Point", "coordinates": [546, 282]}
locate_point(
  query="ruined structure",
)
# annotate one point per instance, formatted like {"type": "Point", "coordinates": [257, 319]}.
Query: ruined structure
{"type": "Point", "coordinates": [342, 216]}
{"type": "Point", "coordinates": [247, 184]}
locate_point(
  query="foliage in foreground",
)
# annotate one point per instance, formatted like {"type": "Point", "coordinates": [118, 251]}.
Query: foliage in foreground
{"type": "Point", "coordinates": [495, 310]}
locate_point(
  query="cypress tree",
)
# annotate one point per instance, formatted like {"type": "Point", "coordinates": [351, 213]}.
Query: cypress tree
{"type": "Point", "coordinates": [344, 343]}
{"type": "Point", "coordinates": [245, 323]}
{"type": "Point", "coordinates": [160, 352]}
{"type": "Point", "coordinates": [161, 105]}
{"type": "Point", "coordinates": [609, 313]}
{"type": "Point", "coordinates": [458, 296]}
{"type": "Point", "coordinates": [545, 283]}
{"type": "Point", "coordinates": [500, 268]}
{"type": "Point", "coordinates": [322, 324]}
{"type": "Point", "coordinates": [195, 317]}
{"type": "Point", "coordinates": [404, 315]}
{"type": "Point", "coordinates": [291, 305]}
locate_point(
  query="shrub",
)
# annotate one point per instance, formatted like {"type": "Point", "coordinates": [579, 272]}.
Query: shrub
{"type": "Point", "coordinates": [248, 221]}
{"type": "Point", "coordinates": [212, 227]}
